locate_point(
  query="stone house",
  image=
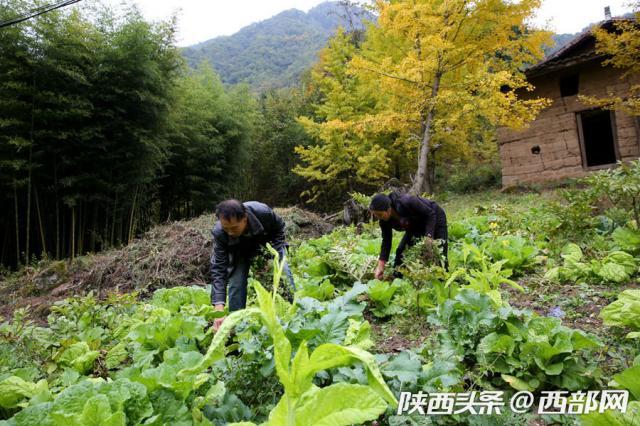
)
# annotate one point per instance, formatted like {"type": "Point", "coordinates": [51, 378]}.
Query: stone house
{"type": "Point", "coordinates": [569, 139]}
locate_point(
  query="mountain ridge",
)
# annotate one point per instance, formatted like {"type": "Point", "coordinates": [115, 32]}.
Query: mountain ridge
{"type": "Point", "coordinates": [274, 52]}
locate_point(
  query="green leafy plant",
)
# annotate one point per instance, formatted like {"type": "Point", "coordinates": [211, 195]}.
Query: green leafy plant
{"type": "Point", "coordinates": [620, 186]}
{"type": "Point", "coordinates": [629, 379]}
{"type": "Point", "coordinates": [487, 278]}
{"type": "Point", "coordinates": [303, 402]}
{"type": "Point", "coordinates": [90, 403]}
{"type": "Point", "coordinates": [627, 239]}
{"type": "Point", "coordinates": [517, 252]}
{"type": "Point", "coordinates": [16, 392]}
{"type": "Point", "coordinates": [624, 312]}
{"type": "Point", "coordinates": [424, 272]}
{"type": "Point", "coordinates": [318, 288]}
{"type": "Point", "coordinates": [381, 293]}
{"type": "Point", "coordinates": [615, 266]}
{"type": "Point", "coordinates": [505, 345]}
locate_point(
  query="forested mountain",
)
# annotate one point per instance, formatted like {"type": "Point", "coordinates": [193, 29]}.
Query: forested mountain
{"type": "Point", "coordinates": [274, 52]}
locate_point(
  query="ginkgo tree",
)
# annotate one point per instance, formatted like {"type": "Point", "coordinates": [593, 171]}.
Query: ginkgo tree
{"type": "Point", "coordinates": [345, 158]}
{"type": "Point", "coordinates": [436, 73]}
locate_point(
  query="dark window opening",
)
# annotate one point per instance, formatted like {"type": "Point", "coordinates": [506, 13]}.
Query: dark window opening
{"type": "Point", "coordinates": [569, 85]}
{"type": "Point", "coordinates": [598, 143]}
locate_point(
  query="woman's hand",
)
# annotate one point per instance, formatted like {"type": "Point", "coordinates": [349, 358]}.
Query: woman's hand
{"type": "Point", "coordinates": [218, 321]}
{"type": "Point", "coordinates": [379, 272]}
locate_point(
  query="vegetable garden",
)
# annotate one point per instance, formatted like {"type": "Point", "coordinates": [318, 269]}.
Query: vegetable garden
{"type": "Point", "coordinates": [518, 309]}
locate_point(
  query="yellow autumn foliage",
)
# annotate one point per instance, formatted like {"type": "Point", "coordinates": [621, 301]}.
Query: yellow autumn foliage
{"type": "Point", "coordinates": [430, 75]}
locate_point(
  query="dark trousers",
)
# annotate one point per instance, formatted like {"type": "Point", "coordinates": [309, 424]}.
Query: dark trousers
{"type": "Point", "coordinates": [238, 276]}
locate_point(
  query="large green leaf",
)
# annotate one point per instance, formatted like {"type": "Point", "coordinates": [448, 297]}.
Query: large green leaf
{"type": "Point", "coordinates": [97, 412]}
{"type": "Point", "coordinates": [14, 390]}
{"type": "Point", "coordinates": [216, 348]}
{"type": "Point", "coordinates": [571, 252]}
{"type": "Point", "coordinates": [79, 357]}
{"type": "Point", "coordinates": [625, 311]}
{"type": "Point", "coordinates": [627, 239]}
{"type": "Point", "coordinates": [381, 292]}
{"type": "Point", "coordinates": [614, 418]}
{"type": "Point", "coordinates": [281, 345]}
{"type": "Point", "coordinates": [175, 298]}
{"type": "Point", "coordinates": [630, 379]}
{"type": "Point", "coordinates": [341, 404]}
{"type": "Point", "coordinates": [359, 334]}
{"type": "Point", "coordinates": [330, 355]}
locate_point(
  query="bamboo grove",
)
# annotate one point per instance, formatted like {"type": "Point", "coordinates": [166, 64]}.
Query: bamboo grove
{"type": "Point", "coordinates": [103, 131]}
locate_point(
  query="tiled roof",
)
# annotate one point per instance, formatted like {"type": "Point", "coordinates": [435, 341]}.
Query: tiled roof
{"type": "Point", "coordinates": [579, 50]}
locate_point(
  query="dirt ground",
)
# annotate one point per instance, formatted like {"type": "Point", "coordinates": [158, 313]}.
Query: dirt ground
{"type": "Point", "coordinates": [168, 255]}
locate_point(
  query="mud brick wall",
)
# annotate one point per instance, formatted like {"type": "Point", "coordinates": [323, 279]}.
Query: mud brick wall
{"type": "Point", "coordinates": [555, 130]}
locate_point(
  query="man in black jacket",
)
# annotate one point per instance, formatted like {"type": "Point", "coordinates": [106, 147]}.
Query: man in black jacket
{"type": "Point", "coordinates": [241, 231]}
{"type": "Point", "coordinates": [417, 216]}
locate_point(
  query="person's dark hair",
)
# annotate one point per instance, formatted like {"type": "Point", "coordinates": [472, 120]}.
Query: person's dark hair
{"type": "Point", "coordinates": [380, 202]}
{"type": "Point", "coordinates": [229, 209]}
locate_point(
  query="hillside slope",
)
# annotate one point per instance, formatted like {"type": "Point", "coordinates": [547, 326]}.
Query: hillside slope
{"type": "Point", "coordinates": [274, 52]}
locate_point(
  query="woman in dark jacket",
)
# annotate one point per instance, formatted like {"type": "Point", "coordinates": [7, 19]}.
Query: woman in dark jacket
{"type": "Point", "coordinates": [417, 216]}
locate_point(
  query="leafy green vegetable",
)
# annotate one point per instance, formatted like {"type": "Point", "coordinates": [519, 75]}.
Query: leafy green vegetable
{"type": "Point", "coordinates": [79, 357]}
{"type": "Point", "coordinates": [486, 280]}
{"type": "Point", "coordinates": [177, 298]}
{"type": "Point", "coordinates": [301, 398]}
{"type": "Point", "coordinates": [517, 252]}
{"type": "Point", "coordinates": [95, 403]}
{"type": "Point", "coordinates": [14, 391]}
{"type": "Point", "coordinates": [359, 334]}
{"type": "Point", "coordinates": [627, 239]}
{"type": "Point", "coordinates": [629, 379]}
{"type": "Point", "coordinates": [320, 289]}
{"type": "Point", "coordinates": [381, 293]}
{"type": "Point", "coordinates": [624, 312]}
{"type": "Point", "coordinates": [527, 351]}
{"type": "Point", "coordinates": [616, 267]}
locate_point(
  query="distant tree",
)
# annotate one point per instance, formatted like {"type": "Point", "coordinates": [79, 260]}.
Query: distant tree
{"type": "Point", "coordinates": [277, 133]}
{"type": "Point", "coordinates": [208, 139]}
{"type": "Point", "coordinates": [345, 158]}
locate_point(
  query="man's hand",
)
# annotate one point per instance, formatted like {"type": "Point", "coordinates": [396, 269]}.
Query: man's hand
{"type": "Point", "coordinates": [379, 272]}
{"type": "Point", "coordinates": [218, 321]}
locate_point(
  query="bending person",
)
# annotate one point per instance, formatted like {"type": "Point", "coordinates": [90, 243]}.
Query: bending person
{"type": "Point", "coordinates": [239, 234]}
{"type": "Point", "coordinates": [417, 216]}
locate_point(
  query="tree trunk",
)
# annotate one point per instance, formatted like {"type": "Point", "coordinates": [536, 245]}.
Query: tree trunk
{"type": "Point", "coordinates": [43, 239]}
{"type": "Point", "coordinates": [28, 230]}
{"type": "Point", "coordinates": [29, 184]}
{"type": "Point", "coordinates": [55, 185]}
{"type": "Point", "coordinates": [81, 229]}
{"type": "Point", "coordinates": [17, 218]}
{"type": "Point", "coordinates": [421, 182]}
{"type": "Point", "coordinates": [94, 228]}
{"type": "Point", "coordinates": [113, 223]}
{"type": "Point", "coordinates": [5, 244]}
{"type": "Point", "coordinates": [132, 217]}
{"type": "Point", "coordinates": [73, 233]}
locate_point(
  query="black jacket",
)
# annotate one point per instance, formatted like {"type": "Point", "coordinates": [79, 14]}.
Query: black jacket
{"type": "Point", "coordinates": [418, 217]}
{"type": "Point", "coordinates": [264, 226]}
